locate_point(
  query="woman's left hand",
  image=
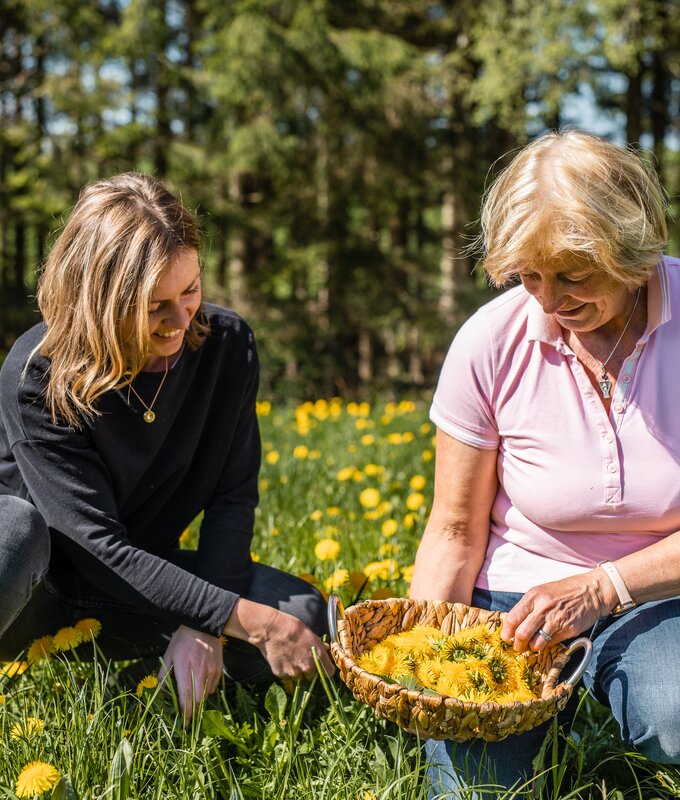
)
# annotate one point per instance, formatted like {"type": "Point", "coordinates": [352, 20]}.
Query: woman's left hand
{"type": "Point", "coordinates": [195, 659]}
{"type": "Point", "coordinates": [562, 609]}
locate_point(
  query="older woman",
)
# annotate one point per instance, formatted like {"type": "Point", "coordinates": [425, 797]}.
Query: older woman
{"type": "Point", "coordinates": [128, 411]}
{"type": "Point", "coordinates": [557, 489]}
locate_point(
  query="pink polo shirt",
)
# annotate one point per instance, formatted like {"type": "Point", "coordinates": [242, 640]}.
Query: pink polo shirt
{"type": "Point", "coordinates": [576, 486]}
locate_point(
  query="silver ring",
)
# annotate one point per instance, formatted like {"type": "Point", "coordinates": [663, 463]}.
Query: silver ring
{"type": "Point", "coordinates": [545, 635]}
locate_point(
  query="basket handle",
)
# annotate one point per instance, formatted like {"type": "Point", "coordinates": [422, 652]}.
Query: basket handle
{"type": "Point", "coordinates": [336, 611]}
{"type": "Point", "coordinates": [585, 643]}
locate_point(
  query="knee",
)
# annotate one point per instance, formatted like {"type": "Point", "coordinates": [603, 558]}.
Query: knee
{"type": "Point", "coordinates": [24, 535]}
{"type": "Point", "coordinates": [652, 725]}
{"type": "Point", "coordinates": [310, 607]}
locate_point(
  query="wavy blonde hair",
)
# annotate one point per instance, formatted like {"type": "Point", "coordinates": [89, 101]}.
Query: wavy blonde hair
{"type": "Point", "coordinates": [574, 195]}
{"type": "Point", "coordinates": [98, 278]}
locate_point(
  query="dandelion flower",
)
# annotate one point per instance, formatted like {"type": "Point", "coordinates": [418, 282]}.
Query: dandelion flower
{"type": "Point", "coordinates": [346, 473]}
{"type": "Point", "coordinates": [40, 649]}
{"type": "Point", "coordinates": [417, 483]}
{"type": "Point", "coordinates": [415, 501]}
{"type": "Point", "coordinates": [367, 439]}
{"type": "Point", "coordinates": [150, 682]}
{"type": "Point", "coordinates": [263, 408]}
{"type": "Point", "coordinates": [407, 573]}
{"type": "Point", "coordinates": [31, 726]}
{"type": "Point", "coordinates": [301, 451]}
{"type": "Point", "coordinates": [185, 536]}
{"type": "Point", "coordinates": [316, 515]}
{"type": "Point", "coordinates": [2, 699]}
{"type": "Point", "coordinates": [89, 627]}
{"type": "Point", "coordinates": [381, 570]}
{"type": "Point", "coordinates": [336, 580]}
{"type": "Point", "coordinates": [67, 638]}
{"type": "Point", "coordinates": [272, 457]}
{"type": "Point", "coordinates": [428, 455]}
{"type": "Point", "coordinates": [13, 668]}
{"type": "Point", "coordinates": [369, 498]}
{"type": "Point", "coordinates": [36, 778]}
{"type": "Point", "coordinates": [327, 549]}
{"type": "Point", "coordinates": [389, 527]}
{"type": "Point", "coordinates": [254, 557]}
{"type": "Point", "coordinates": [333, 511]}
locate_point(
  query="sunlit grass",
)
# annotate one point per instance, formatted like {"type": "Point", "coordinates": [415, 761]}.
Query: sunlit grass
{"type": "Point", "coordinates": [345, 490]}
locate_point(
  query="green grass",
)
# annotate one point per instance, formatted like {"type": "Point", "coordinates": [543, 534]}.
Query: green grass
{"type": "Point", "coordinates": [317, 743]}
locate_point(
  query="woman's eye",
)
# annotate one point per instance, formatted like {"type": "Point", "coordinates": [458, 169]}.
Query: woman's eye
{"type": "Point", "coordinates": [154, 309]}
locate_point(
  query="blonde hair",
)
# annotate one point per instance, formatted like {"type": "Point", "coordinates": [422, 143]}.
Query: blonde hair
{"type": "Point", "coordinates": [572, 195]}
{"type": "Point", "coordinates": [99, 277]}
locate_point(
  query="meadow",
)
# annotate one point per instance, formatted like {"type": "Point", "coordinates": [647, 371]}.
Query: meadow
{"type": "Point", "coordinates": [345, 489]}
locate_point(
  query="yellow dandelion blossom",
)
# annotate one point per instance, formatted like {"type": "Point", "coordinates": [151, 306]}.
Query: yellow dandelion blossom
{"type": "Point", "coordinates": [417, 483]}
{"type": "Point", "coordinates": [301, 451]}
{"type": "Point", "coordinates": [388, 549]}
{"type": "Point", "coordinates": [314, 454]}
{"type": "Point", "coordinates": [272, 457]}
{"type": "Point", "coordinates": [316, 515]}
{"type": "Point", "coordinates": [346, 473]}
{"type": "Point", "coordinates": [333, 511]}
{"type": "Point", "coordinates": [369, 498]}
{"type": "Point", "coordinates": [420, 637]}
{"type": "Point", "coordinates": [185, 536]}
{"type": "Point", "coordinates": [361, 424]}
{"type": "Point", "coordinates": [36, 778]}
{"type": "Point", "coordinates": [389, 527]}
{"type": "Point", "coordinates": [415, 501]}
{"type": "Point", "coordinates": [427, 456]}
{"type": "Point", "coordinates": [263, 409]}
{"type": "Point", "coordinates": [519, 695]}
{"type": "Point", "coordinates": [373, 469]}
{"type": "Point", "coordinates": [379, 661]}
{"type": "Point", "coordinates": [401, 666]}
{"type": "Point", "coordinates": [327, 549]}
{"type": "Point", "coordinates": [407, 573]}
{"type": "Point", "coordinates": [67, 638]}
{"type": "Point", "coordinates": [455, 672]}
{"type": "Point", "coordinates": [425, 428]}
{"type": "Point", "coordinates": [336, 580]}
{"type": "Point", "coordinates": [31, 726]}
{"type": "Point", "coordinates": [149, 682]}
{"type": "Point", "coordinates": [13, 668]}
{"type": "Point", "coordinates": [381, 570]}
{"type": "Point", "coordinates": [367, 439]}
{"type": "Point", "coordinates": [2, 699]}
{"type": "Point", "coordinates": [263, 485]}
{"type": "Point", "coordinates": [394, 438]}
{"type": "Point", "coordinates": [89, 627]}
{"type": "Point", "coordinates": [40, 649]}
{"type": "Point", "coordinates": [428, 672]}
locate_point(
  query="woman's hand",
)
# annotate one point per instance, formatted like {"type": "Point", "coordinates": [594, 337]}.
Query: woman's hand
{"type": "Point", "coordinates": [195, 659]}
{"type": "Point", "coordinates": [282, 639]}
{"type": "Point", "coordinates": [562, 609]}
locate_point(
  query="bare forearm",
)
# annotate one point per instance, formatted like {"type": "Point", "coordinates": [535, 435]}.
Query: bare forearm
{"type": "Point", "coordinates": [654, 572]}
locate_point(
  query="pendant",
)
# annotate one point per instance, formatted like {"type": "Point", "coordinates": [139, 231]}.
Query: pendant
{"type": "Point", "coordinates": [604, 383]}
{"type": "Point", "coordinates": [149, 416]}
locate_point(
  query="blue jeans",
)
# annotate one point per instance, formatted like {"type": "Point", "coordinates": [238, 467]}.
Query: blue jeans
{"type": "Point", "coordinates": [635, 671]}
{"type": "Point", "coordinates": [31, 605]}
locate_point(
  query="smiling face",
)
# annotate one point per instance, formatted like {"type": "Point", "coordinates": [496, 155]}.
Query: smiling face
{"type": "Point", "coordinates": [581, 297]}
{"type": "Point", "coordinates": [172, 306]}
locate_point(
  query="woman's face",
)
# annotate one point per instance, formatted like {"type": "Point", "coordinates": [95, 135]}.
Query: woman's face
{"type": "Point", "coordinates": [172, 305]}
{"type": "Point", "coordinates": [581, 297]}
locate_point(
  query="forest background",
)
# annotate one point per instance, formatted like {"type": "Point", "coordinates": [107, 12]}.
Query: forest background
{"type": "Point", "coordinates": [336, 151]}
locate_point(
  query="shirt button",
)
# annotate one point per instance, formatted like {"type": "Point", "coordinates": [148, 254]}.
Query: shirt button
{"type": "Point", "coordinates": [618, 407]}
{"type": "Point", "coordinates": [626, 378]}
{"type": "Point", "coordinates": [609, 438]}
{"type": "Point", "coordinates": [611, 467]}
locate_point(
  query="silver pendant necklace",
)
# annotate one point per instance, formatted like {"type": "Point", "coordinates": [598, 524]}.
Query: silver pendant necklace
{"type": "Point", "coordinates": [604, 382]}
{"type": "Point", "coordinates": [149, 414]}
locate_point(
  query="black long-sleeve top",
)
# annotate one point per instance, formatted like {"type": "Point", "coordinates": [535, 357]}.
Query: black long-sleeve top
{"type": "Point", "coordinates": [117, 493]}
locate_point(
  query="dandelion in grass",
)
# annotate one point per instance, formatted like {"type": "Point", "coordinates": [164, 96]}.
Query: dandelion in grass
{"type": "Point", "coordinates": [381, 570]}
{"type": "Point", "coordinates": [272, 457]}
{"type": "Point", "coordinates": [150, 682]}
{"type": "Point", "coordinates": [389, 527]}
{"type": "Point", "coordinates": [13, 668]}
{"type": "Point", "coordinates": [36, 778]}
{"type": "Point", "coordinates": [388, 549]}
{"type": "Point", "coordinates": [415, 501]}
{"type": "Point", "coordinates": [417, 483]}
{"type": "Point", "coordinates": [369, 498]}
{"type": "Point", "coordinates": [367, 439]}
{"type": "Point", "coordinates": [67, 638]}
{"type": "Point", "coordinates": [316, 515]}
{"type": "Point", "coordinates": [40, 649]}
{"type": "Point", "coordinates": [427, 456]}
{"type": "Point", "coordinates": [327, 549]}
{"type": "Point", "coordinates": [89, 627]}
{"type": "Point", "coordinates": [394, 438]}
{"type": "Point", "coordinates": [336, 580]}
{"type": "Point", "coordinates": [407, 573]}
{"type": "Point", "coordinates": [300, 452]}
{"type": "Point", "coordinates": [254, 556]}
{"type": "Point", "coordinates": [373, 469]}
{"type": "Point", "coordinates": [333, 511]}
{"type": "Point", "coordinates": [27, 728]}
{"type": "Point", "coordinates": [346, 473]}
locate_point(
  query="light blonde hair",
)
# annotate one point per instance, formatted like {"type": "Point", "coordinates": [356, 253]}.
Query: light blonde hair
{"type": "Point", "coordinates": [573, 195]}
{"type": "Point", "coordinates": [98, 278]}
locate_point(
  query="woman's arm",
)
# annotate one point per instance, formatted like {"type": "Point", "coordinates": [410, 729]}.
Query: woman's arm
{"type": "Point", "coordinates": [454, 544]}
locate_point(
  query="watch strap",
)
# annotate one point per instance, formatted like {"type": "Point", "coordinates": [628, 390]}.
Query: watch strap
{"type": "Point", "coordinates": [626, 602]}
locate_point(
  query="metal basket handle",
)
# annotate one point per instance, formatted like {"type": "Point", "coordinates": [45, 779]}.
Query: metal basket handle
{"type": "Point", "coordinates": [585, 643]}
{"type": "Point", "coordinates": [336, 611]}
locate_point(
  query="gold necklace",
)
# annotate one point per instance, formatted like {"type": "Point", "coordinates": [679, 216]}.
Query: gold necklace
{"type": "Point", "coordinates": [149, 415]}
{"type": "Point", "coordinates": [604, 382]}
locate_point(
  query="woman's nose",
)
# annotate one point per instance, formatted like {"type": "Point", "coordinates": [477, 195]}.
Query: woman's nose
{"type": "Point", "coordinates": [551, 296]}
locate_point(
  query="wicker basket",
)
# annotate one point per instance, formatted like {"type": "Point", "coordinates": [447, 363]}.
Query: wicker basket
{"type": "Point", "coordinates": [362, 626]}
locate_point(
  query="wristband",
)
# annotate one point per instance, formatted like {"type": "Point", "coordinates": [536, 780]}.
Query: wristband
{"type": "Point", "coordinates": [626, 602]}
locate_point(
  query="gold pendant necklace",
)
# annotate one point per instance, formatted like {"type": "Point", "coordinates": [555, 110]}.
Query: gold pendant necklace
{"type": "Point", "coordinates": [149, 415]}
{"type": "Point", "coordinates": [604, 382]}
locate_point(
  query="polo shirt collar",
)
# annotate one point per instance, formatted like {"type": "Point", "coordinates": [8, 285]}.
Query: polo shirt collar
{"type": "Point", "coordinates": [544, 327]}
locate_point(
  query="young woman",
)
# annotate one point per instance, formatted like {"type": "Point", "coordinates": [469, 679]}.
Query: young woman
{"type": "Point", "coordinates": [125, 413]}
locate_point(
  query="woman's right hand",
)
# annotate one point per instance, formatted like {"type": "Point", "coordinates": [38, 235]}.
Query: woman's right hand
{"type": "Point", "coordinates": [284, 641]}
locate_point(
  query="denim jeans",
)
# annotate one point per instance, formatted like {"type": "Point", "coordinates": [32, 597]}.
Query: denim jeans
{"type": "Point", "coordinates": [31, 605]}
{"type": "Point", "coordinates": [635, 671]}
